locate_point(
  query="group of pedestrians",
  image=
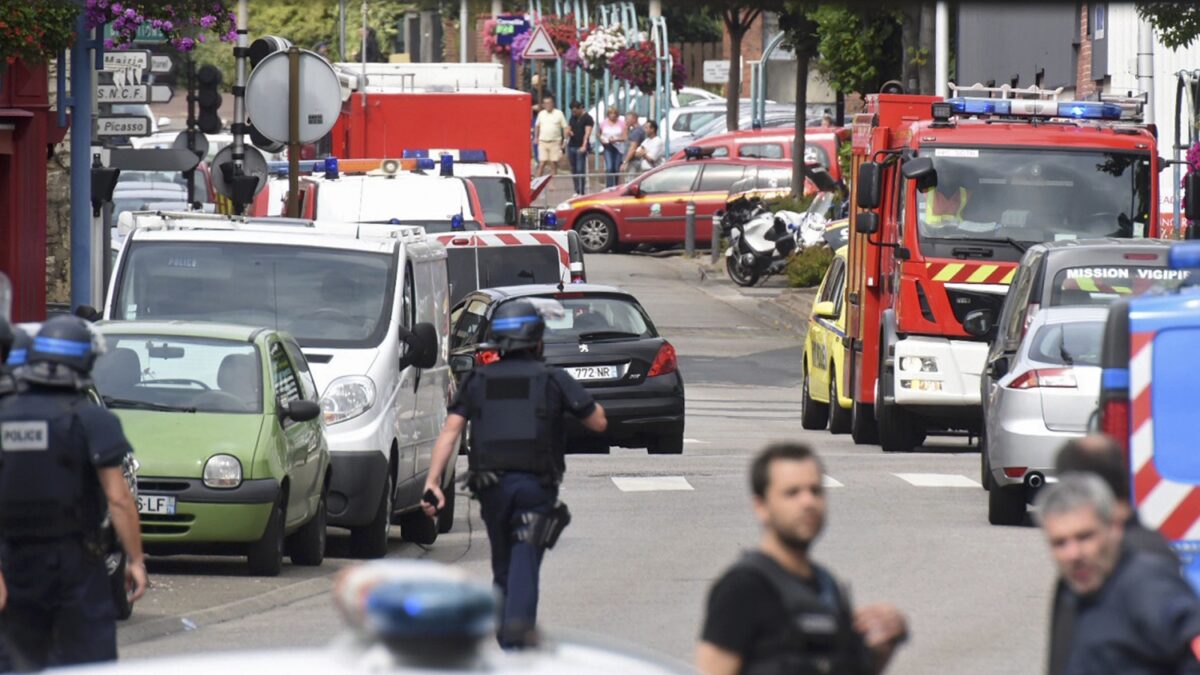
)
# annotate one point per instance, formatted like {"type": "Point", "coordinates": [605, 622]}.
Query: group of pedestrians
{"type": "Point", "coordinates": [628, 145]}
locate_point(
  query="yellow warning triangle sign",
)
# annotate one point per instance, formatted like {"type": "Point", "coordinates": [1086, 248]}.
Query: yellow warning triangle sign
{"type": "Point", "coordinates": [540, 46]}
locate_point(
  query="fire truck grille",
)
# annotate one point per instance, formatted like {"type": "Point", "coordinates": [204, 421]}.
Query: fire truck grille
{"type": "Point", "coordinates": [965, 302]}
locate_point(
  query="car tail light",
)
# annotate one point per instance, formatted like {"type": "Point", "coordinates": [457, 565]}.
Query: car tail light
{"type": "Point", "coordinates": [665, 362]}
{"type": "Point", "coordinates": [1015, 471]}
{"type": "Point", "coordinates": [488, 356]}
{"type": "Point", "coordinates": [1114, 420]}
{"type": "Point", "coordinates": [1046, 378]}
{"type": "Point", "coordinates": [1141, 256]}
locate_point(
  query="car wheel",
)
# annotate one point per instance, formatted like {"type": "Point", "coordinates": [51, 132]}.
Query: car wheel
{"type": "Point", "coordinates": [839, 417]}
{"type": "Point", "coordinates": [863, 428]}
{"type": "Point", "coordinates": [813, 415]}
{"type": "Point", "coordinates": [739, 272]}
{"type": "Point", "coordinates": [445, 517]}
{"type": "Point", "coordinates": [307, 545]}
{"type": "Point", "coordinates": [597, 233]}
{"type": "Point", "coordinates": [371, 540]}
{"type": "Point", "coordinates": [1006, 505]}
{"type": "Point", "coordinates": [899, 430]}
{"type": "Point", "coordinates": [985, 461]}
{"type": "Point", "coordinates": [116, 582]}
{"type": "Point", "coordinates": [265, 556]}
{"type": "Point", "coordinates": [418, 528]}
{"type": "Point", "coordinates": [667, 445]}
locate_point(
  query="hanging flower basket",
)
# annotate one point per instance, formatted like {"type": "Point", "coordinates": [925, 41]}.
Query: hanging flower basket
{"type": "Point", "coordinates": [562, 32]}
{"type": "Point", "coordinates": [598, 45]}
{"type": "Point", "coordinates": [491, 40]}
{"type": "Point", "coordinates": [184, 23]}
{"type": "Point", "coordinates": [637, 66]}
{"type": "Point", "coordinates": [34, 32]}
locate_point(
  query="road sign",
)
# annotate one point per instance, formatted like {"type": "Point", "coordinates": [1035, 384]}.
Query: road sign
{"type": "Point", "coordinates": [146, 34]}
{"type": "Point", "coordinates": [122, 125]}
{"type": "Point", "coordinates": [200, 143]}
{"type": "Point", "coordinates": [267, 97]}
{"type": "Point", "coordinates": [540, 46]}
{"type": "Point", "coordinates": [157, 159]}
{"type": "Point", "coordinates": [509, 26]}
{"type": "Point", "coordinates": [161, 65]}
{"type": "Point", "coordinates": [130, 93]}
{"type": "Point", "coordinates": [716, 72]}
{"type": "Point", "coordinates": [126, 60]}
{"type": "Point", "coordinates": [254, 164]}
{"type": "Point", "coordinates": [161, 93]}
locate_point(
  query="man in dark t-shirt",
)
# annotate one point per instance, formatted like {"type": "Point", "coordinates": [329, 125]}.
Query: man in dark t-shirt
{"type": "Point", "coordinates": [581, 124]}
{"type": "Point", "coordinates": [776, 611]}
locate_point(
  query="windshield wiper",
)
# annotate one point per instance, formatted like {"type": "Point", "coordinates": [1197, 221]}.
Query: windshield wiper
{"type": "Point", "coordinates": [145, 405]}
{"type": "Point", "coordinates": [1068, 360]}
{"type": "Point", "coordinates": [985, 240]}
{"type": "Point", "coordinates": [606, 335]}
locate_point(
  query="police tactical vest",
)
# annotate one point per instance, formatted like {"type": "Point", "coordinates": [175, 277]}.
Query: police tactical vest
{"type": "Point", "coordinates": [518, 421]}
{"type": "Point", "coordinates": [44, 488]}
{"type": "Point", "coordinates": [818, 640]}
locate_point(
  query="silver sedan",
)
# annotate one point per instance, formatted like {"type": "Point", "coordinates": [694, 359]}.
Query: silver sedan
{"type": "Point", "coordinates": [1039, 400]}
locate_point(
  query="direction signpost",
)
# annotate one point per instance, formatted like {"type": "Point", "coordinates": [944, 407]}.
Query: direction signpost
{"type": "Point", "coordinates": [122, 125]}
{"type": "Point", "coordinates": [129, 93]}
{"type": "Point", "coordinates": [161, 64]}
{"type": "Point", "coordinates": [127, 60]}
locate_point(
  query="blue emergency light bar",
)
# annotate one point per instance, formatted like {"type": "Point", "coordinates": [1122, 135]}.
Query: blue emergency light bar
{"type": "Point", "coordinates": [1018, 107]}
{"type": "Point", "coordinates": [468, 156]}
{"type": "Point", "coordinates": [1184, 256]}
{"type": "Point", "coordinates": [430, 609]}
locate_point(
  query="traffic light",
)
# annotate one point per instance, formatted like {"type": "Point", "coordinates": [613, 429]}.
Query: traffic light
{"type": "Point", "coordinates": [208, 97]}
{"type": "Point", "coordinates": [264, 47]}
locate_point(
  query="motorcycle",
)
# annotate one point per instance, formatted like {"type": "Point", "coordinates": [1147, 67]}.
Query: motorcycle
{"type": "Point", "coordinates": [761, 242]}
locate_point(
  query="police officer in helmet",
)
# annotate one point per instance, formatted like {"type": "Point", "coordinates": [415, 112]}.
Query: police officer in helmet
{"type": "Point", "coordinates": [60, 462]}
{"type": "Point", "coordinates": [515, 407]}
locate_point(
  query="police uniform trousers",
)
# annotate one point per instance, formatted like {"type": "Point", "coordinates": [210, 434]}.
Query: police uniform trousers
{"type": "Point", "coordinates": [60, 609]}
{"type": "Point", "coordinates": [515, 563]}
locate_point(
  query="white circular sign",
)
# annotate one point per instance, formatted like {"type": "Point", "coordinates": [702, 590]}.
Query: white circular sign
{"type": "Point", "coordinates": [253, 164]}
{"type": "Point", "coordinates": [267, 97]}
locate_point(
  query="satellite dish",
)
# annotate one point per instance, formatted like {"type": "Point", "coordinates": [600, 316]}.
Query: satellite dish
{"type": "Point", "coordinates": [254, 164]}
{"type": "Point", "coordinates": [267, 97]}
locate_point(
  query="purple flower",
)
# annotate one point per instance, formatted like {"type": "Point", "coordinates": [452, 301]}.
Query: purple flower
{"type": "Point", "coordinates": [186, 44]}
{"type": "Point", "coordinates": [168, 26]}
{"type": "Point", "coordinates": [208, 21]}
{"type": "Point", "coordinates": [130, 14]}
{"type": "Point", "coordinates": [102, 4]}
{"type": "Point", "coordinates": [200, 38]}
{"type": "Point", "coordinates": [157, 23]}
{"type": "Point", "coordinates": [116, 8]}
{"type": "Point", "coordinates": [108, 44]}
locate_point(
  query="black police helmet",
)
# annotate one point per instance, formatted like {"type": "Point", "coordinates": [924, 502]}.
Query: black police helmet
{"type": "Point", "coordinates": [61, 353]}
{"type": "Point", "coordinates": [19, 351]}
{"type": "Point", "coordinates": [6, 339]}
{"type": "Point", "coordinates": [517, 325]}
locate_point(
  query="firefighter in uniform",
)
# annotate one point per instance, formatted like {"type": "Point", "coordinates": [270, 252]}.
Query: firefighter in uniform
{"type": "Point", "coordinates": [515, 407]}
{"type": "Point", "coordinates": [60, 461]}
{"type": "Point", "coordinates": [945, 203]}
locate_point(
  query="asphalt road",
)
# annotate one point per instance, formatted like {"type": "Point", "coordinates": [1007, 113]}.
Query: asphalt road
{"type": "Point", "coordinates": [651, 533]}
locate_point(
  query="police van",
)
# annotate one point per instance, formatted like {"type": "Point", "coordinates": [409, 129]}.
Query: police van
{"type": "Point", "coordinates": [369, 310]}
{"type": "Point", "coordinates": [1149, 383]}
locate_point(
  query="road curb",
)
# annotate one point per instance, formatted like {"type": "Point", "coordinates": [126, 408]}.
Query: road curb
{"type": "Point", "coordinates": [170, 625]}
{"type": "Point", "coordinates": [789, 310]}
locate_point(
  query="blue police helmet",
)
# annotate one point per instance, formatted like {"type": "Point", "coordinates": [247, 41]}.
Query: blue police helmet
{"type": "Point", "coordinates": [19, 349]}
{"type": "Point", "coordinates": [62, 353]}
{"type": "Point", "coordinates": [517, 325]}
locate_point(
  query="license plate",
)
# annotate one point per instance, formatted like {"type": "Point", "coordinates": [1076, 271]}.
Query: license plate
{"type": "Point", "coordinates": [584, 373]}
{"type": "Point", "coordinates": [159, 505]}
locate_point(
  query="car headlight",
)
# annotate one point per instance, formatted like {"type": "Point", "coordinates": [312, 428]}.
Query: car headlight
{"type": "Point", "coordinates": [222, 471]}
{"type": "Point", "coordinates": [347, 398]}
{"type": "Point", "coordinates": [918, 364]}
{"type": "Point", "coordinates": [565, 206]}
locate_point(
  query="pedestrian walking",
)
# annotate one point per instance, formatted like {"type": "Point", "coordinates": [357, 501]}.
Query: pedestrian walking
{"type": "Point", "coordinates": [371, 42]}
{"type": "Point", "coordinates": [60, 463]}
{"type": "Point", "coordinates": [651, 152]}
{"type": "Point", "coordinates": [634, 136]}
{"type": "Point", "coordinates": [612, 140]}
{"type": "Point", "coordinates": [1134, 613]}
{"type": "Point", "coordinates": [777, 611]}
{"type": "Point", "coordinates": [579, 144]}
{"type": "Point", "coordinates": [516, 408]}
{"type": "Point", "coordinates": [551, 130]}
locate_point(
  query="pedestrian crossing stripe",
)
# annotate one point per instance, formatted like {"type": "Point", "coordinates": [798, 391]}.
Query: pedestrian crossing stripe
{"type": "Point", "coordinates": [831, 482]}
{"type": "Point", "coordinates": [937, 480]}
{"type": "Point", "coordinates": [651, 483]}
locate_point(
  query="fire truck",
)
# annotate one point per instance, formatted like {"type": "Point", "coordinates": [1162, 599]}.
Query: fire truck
{"type": "Point", "coordinates": [947, 196]}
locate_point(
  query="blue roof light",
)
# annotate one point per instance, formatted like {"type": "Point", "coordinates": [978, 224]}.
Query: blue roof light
{"type": "Point", "coordinates": [414, 154]}
{"type": "Point", "coordinates": [979, 106]}
{"type": "Point", "coordinates": [472, 156]}
{"type": "Point", "coordinates": [426, 164]}
{"type": "Point", "coordinates": [430, 609]}
{"type": "Point", "coordinates": [331, 167]}
{"type": "Point", "coordinates": [456, 221]}
{"type": "Point", "coordinates": [1184, 256]}
{"type": "Point", "coordinates": [447, 165]}
{"type": "Point", "coordinates": [1089, 110]}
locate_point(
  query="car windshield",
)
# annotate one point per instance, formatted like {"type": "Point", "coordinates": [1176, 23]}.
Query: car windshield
{"type": "Point", "coordinates": [324, 297]}
{"type": "Point", "coordinates": [1068, 344]}
{"type": "Point", "coordinates": [1101, 284]}
{"type": "Point", "coordinates": [183, 374]}
{"type": "Point", "coordinates": [1009, 198]}
{"type": "Point", "coordinates": [496, 194]}
{"type": "Point", "coordinates": [598, 318]}
{"type": "Point", "coordinates": [471, 268]}
{"type": "Point", "coordinates": [168, 178]}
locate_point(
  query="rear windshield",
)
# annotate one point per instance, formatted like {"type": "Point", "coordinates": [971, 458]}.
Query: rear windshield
{"type": "Point", "coordinates": [598, 318]}
{"type": "Point", "coordinates": [472, 268]}
{"type": "Point", "coordinates": [1101, 284]}
{"type": "Point", "coordinates": [1068, 344]}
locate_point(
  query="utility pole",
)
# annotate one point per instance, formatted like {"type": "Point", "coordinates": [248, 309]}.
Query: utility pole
{"type": "Point", "coordinates": [464, 15]}
{"type": "Point", "coordinates": [82, 91]}
{"type": "Point", "coordinates": [941, 63]}
{"type": "Point", "coordinates": [1145, 67]}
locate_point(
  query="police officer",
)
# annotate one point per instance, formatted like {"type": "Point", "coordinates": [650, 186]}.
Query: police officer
{"type": "Point", "coordinates": [60, 460]}
{"type": "Point", "coordinates": [515, 407]}
{"type": "Point", "coordinates": [777, 612]}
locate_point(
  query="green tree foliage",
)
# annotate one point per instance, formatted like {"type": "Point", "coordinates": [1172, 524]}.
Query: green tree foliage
{"type": "Point", "coordinates": [1177, 23]}
{"type": "Point", "coordinates": [856, 46]}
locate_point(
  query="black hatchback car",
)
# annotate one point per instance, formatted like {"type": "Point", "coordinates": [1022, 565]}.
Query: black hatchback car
{"type": "Point", "coordinates": [607, 342]}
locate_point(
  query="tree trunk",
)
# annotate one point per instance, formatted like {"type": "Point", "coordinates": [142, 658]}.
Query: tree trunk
{"type": "Point", "coordinates": [801, 121]}
{"type": "Point", "coordinates": [910, 43]}
{"type": "Point", "coordinates": [733, 88]}
{"type": "Point", "coordinates": [929, 41]}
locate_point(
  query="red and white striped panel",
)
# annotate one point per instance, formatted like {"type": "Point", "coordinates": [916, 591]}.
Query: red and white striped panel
{"type": "Point", "coordinates": [513, 238]}
{"type": "Point", "coordinates": [1169, 507]}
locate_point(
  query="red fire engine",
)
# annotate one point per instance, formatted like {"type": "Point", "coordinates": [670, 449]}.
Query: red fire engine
{"type": "Point", "coordinates": [947, 195]}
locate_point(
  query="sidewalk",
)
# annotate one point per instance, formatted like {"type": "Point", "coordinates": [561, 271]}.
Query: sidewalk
{"type": "Point", "coordinates": [771, 301]}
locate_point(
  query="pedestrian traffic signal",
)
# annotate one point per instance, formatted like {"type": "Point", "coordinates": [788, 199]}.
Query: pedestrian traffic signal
{"type": "Point", "coordinates": [208, 97]}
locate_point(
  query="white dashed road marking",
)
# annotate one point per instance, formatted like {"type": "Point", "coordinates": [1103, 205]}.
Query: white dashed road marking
{"type": "Point", "coordinates": [937, 480]}
{"type": "Point", "coordinates": [695, 440]}
{"type": "Point", "coordinates": [831, 482]}
{"type": "Point", "coordinates": [651, 483]}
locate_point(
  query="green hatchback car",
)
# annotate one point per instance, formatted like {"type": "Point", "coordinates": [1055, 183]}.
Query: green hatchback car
{"type": "Point", "coordinates": [226, 425]}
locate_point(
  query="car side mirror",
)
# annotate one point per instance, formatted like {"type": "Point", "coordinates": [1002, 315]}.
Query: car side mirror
{"type": "Point", "coordinates": [510, 214]}
{"type": "Point", "coordinates": [867, 223]}
{"type": "Point", "coordinates": [460, 364]}
{"type": "Point", "coordinates": [87, 312]}
{"type": "Point", "coordinates": [917, 167]}
{"type": "Point", "coordinates": [1191, 196]}
{"type": "Point", "coordinates": [998, 368]}
{"type": "Point", "coordinates": [870, 186]}
{"type": "Point", "coordinates": [422, 343]}
{"type": "Point", "coordinates": [825, 309]}
{"type": "Point", "coordinates": [633, 190]}
{"type": "Point", "coordinates": [979, 323]}
{"type": "Point", "coordinates": [299, 410]}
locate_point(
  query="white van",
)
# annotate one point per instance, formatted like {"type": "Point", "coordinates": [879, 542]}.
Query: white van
{"type": "Point", "coordinates": [370, 314]}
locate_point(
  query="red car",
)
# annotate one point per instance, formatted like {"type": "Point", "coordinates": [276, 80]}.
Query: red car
{"type": "Point", "coordinates": [651, 208]}
{"type": "Point", "coordinates": [820, 145]}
